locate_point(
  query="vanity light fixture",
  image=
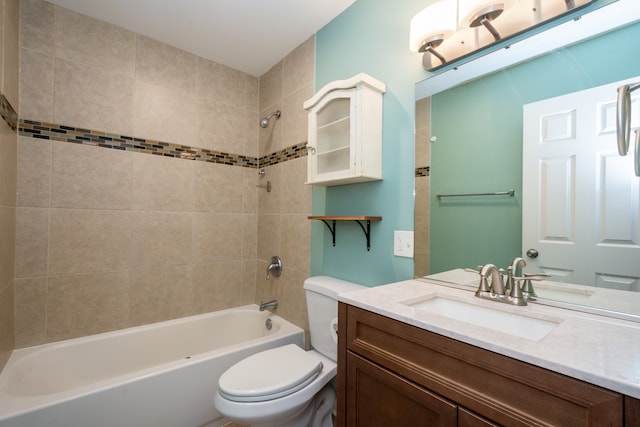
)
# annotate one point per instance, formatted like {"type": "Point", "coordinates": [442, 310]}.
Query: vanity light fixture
{"type": "Point", "coordinates": [448, 30]}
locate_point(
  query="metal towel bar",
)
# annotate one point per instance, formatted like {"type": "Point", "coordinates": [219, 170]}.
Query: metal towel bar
{"type": "Point", "coordinates": [623, 123]}
{"type": "Point", "coordinates": [509, 193]}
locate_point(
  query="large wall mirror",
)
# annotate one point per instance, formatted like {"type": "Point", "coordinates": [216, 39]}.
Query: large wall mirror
{"type": "Point", "coordinates": [470, 132]}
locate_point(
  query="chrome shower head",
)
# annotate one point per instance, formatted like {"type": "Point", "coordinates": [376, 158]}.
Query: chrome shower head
{"type": "Point", "coordinates": [264, 122]}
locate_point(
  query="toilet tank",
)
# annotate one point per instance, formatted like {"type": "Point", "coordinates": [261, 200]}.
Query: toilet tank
{"type": "Point", "coordinates": [322, 306]}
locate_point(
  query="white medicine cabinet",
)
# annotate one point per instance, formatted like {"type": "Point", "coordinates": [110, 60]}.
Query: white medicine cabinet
{"type": "Point", "coordinates": [345, 132]}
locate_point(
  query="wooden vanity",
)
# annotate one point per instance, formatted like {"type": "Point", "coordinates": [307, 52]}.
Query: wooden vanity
{"type": "Point", "coordinates": [391, 373]}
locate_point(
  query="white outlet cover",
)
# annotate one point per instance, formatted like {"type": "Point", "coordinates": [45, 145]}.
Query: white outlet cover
{"type": "Point", "coordinates": [403, 243]}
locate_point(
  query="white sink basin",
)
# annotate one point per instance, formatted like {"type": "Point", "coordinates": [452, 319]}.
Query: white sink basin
{"type": "Point", "coordinates": [489, 318]}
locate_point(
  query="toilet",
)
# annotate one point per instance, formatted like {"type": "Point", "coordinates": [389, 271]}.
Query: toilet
{"type": "Point", "coordinates": [287, 386]}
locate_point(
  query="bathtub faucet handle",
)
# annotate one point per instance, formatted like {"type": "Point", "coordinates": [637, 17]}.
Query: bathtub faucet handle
{"type": "Point", "coordinates": [275, 267]}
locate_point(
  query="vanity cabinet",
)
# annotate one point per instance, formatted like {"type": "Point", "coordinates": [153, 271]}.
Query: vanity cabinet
{"type": "Point", "coordinates": [393, 374]}
{"type": "Point", "coordinates": [345, 132]}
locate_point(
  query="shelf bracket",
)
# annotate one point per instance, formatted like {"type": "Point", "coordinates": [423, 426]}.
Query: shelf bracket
{"type": "Point", "coordinates": [367, 232]}
{"type": "Point", "coordinates": [332, 229]}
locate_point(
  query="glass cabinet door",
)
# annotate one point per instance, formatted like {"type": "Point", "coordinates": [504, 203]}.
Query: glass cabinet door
{"type": "Point", "coordinates": [333, 137]}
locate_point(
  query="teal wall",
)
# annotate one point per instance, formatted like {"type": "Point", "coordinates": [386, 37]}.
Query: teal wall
{"type": "Point", "coordinates": [478, 149]}
{"type": "Point", "coordinates": [372, 36]}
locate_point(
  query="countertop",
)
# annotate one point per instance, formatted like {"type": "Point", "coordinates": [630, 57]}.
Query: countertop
{"type": "Point", "coordinates": [597, 349]}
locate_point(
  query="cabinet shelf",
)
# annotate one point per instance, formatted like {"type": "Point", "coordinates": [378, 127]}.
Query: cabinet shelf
{"type": "Point", "coordinates": [356, 218]}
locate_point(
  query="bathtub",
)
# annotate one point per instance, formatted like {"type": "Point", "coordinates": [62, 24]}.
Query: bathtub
{"type": "Point", "coordinates": [162, 374]}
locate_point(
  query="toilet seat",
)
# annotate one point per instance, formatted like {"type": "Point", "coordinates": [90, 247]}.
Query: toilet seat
{"type": "Point", "coordinates": [270, 374]}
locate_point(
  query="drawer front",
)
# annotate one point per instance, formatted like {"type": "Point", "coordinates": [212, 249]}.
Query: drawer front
{"type": "Point", "coordinates": [496, 387]}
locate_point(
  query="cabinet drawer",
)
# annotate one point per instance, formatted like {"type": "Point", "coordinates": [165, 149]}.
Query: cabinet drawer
{"type": "Point", "coordinates": [496, 387]}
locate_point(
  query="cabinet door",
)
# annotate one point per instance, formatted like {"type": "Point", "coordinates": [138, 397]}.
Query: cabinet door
{"type": "Point", "coordinates": [331, 137]}
{"type": "Point", "coordinates": [377, 397]}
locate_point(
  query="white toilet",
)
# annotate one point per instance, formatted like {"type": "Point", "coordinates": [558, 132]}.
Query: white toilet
{"type": "Point", "coordinates": [287, 386]}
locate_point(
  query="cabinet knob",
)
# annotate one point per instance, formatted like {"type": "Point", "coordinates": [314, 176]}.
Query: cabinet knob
{"type": "Point", "coordinates": [311, 150]}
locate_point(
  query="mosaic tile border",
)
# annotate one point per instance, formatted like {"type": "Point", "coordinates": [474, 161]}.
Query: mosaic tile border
{"type": "Point", "coordinates": [8, 113]}
{"type": "Point", "coordinates": [76, 135]}
{"type": "Point", "coordinates": [423, 171]}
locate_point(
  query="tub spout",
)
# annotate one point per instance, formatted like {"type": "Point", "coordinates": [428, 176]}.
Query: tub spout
{"type": "Point", "coordinates": [269, 304]}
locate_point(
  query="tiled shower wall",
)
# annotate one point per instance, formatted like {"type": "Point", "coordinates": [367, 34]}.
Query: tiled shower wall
{"type": "Point", "coordinates": [8, 162]}
{"type": "Point", "coordinates": [108, 238]}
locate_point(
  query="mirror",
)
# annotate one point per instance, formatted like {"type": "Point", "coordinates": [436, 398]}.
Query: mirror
{"type": "Point", "coordinates": [473, 144]}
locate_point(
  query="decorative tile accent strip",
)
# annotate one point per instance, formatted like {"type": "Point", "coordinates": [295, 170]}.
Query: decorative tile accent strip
{"type": "Point", "coordinates": [290, 153]}
{"type": "Point", "coordinates": [8, 113]}
{"type": "Point", "coordinates": [423, 171]}
{"type": "Point", "coordinates": [63, 133]}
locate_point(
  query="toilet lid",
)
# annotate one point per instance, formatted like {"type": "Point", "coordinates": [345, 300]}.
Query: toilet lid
{"type": "Point", "coordinates": [269, 374]}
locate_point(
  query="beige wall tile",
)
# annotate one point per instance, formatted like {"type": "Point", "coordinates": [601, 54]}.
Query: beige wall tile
{"type": "Point", "coordinates": [90, 177]}
{"type": "Point", "coordinates": [298, 67]}
{"type": "Point", "coordinates": [8, 165]}
{"type": "Point", "coordinates": [271, 86]}
{"type": "Point", "coordinates": [249, 236]}
{"type": "Point", "coordinates": [161, 183]}
{"type": "Point", "coordinates": [7, 337]}
{"type": "Point", "coordinates": [216, 237]}
{"type": "Point", "coordinates": [7, 245]}
{"type": "Point", "coordinates": [252, 93]}
{"type": "Point", "coordinates": [90, 97]}
{"type": "Point", "coordinates": [250, 179]}
{"type": "Point", "coordinates": [10, 53]}
{"type": "Point", "coordinates": [37, 19]}
{"type": "Point", "coordinates": [294, 117]}
{"type": "Point", "coordinates": [32, 242]}
{"type": "Point", "coordinates": [86, 40]}
{"type": "Point", "coordinates": [82, 240]}
{"type": "Point", "coordinates": [251, 131]}
{"type": "Point", "coordinates": [86, 304]}
{"type": "Point", "coordinates": [36, 85]}
{"type": "Point", "coordinates": [158, 294]}
{"type": "Point", "coordinates": [268, 237]}
{"type": "Point", "coordinates": [31, 311]}
{"type": "Point", "coordinates": [164, 114]}
{"type": "Point", "coordinates": [218, 188]}
{"type": "Point", "coordinates": [217, 286]}
{"type": "Point", "coordinates": [34, 172]}
{"type": "Point", "coordinates": [221, 127]}
{"type": "Point", "coordinates": [249, 273]}
{"type": "Point", "coordinates": [295, 238]}
{"type": "Point", "coordinates": [218, 85]}
{"type": "Point", "coordinates": [160, 239]}
{"type": "Point", "coordinates": [296, 197]}
{"type": "Point", "coordinates": [166, 66]}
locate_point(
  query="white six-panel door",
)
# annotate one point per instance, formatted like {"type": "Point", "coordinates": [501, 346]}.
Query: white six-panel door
{"type": "Point", "coordinates": [580, 197]}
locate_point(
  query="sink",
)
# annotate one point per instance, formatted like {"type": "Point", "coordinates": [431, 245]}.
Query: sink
{"type": "Point", "coordinates": [518, 325]}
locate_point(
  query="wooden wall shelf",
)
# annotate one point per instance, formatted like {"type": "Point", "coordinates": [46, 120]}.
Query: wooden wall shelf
{"type": "Point", "coordinates": [357, 218]}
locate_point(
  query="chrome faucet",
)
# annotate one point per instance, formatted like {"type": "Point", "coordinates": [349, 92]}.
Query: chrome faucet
{"type": "Point", "coordinates": [269, 304]}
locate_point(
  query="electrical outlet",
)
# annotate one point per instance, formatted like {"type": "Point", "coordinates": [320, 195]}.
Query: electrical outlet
{"type": "Point", "coordinates": [403, 243]}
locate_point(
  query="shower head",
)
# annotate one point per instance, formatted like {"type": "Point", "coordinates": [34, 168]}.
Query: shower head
{"type": "Point", "coordinates": [264, 122]}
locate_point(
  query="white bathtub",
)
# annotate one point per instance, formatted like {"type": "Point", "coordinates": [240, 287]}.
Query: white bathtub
{"type": "Point", "coordinates": [163, 374]}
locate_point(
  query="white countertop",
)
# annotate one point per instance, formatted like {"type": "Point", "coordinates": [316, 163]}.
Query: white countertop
{"type": "Point", "coordinates": [597, 349]}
